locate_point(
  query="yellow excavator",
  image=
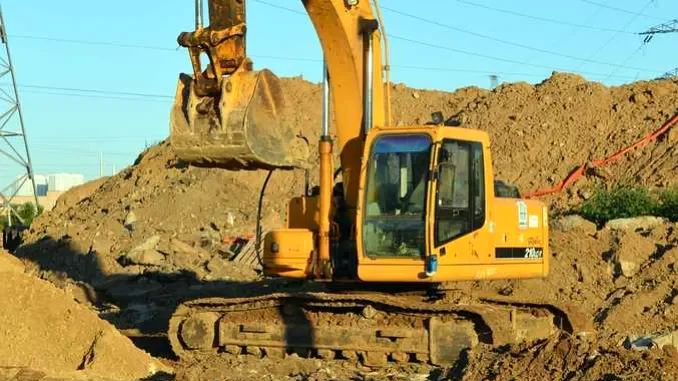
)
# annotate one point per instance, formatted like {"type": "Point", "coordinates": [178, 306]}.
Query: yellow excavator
{"type": "Point", "coordinates": [417, 207]}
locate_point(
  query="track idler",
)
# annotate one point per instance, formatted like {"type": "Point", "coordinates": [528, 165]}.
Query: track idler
{"type": "Point", "coordinates": [240, 125]}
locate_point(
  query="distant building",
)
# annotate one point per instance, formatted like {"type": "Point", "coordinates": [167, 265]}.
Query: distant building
{"type": "Point", "coordinates": [48, 187]}
{"type": "Point", "coordinates": [61, 182]}
{"type": "Point", "coordinates": [26, 189]}
{"type": "Point", "coordinates": [44, 184]}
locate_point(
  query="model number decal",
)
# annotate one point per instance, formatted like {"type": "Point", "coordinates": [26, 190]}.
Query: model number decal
{"type": "Point", "coordinates": [532, 252]}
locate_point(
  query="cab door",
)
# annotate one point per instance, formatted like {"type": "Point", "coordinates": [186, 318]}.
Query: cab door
{"type": "Point", "coordinates": [458, 206]}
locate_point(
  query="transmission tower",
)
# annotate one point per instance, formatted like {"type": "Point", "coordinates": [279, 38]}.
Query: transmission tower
{"type": "Point", "coordinates": [13, 143]}
{"type": "Point", "coordinates": [667, 27]}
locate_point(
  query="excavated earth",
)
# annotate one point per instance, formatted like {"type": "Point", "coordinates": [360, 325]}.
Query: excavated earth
{"type": "Point", "coordinates": [132, 246]}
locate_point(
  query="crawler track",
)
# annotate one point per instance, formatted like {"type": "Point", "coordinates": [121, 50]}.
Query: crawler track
{"type": "Point", "coordinates": [374, 328]}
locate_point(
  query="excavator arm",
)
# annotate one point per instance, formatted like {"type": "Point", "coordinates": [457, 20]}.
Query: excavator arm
{"type": "Point", "coordinates": [228, 115]}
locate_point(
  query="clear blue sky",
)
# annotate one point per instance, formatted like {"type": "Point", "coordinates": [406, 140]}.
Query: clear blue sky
{"type": "Point", "coordinates": [461, 44]}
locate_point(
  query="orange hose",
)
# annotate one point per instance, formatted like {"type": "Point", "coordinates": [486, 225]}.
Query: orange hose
{"type": "Point", "coordinates": [579, 172]}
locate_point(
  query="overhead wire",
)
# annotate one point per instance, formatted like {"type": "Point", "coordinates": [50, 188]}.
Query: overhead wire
{"type": "Point", "coordinates": [461, 51]}
{"type": "Point", "coordinates": [498, 40]}
{"type": "Point", "coordinates": [621, 10]}
{"type": "Point", "coordinates": [628, 58]}
{"type": "Point", "coordinates": [302, 59]}
{"type": "Point", "coordinates": [576, 31]}
{"type": "Point", "coordinates": [94, 96]}
{"type": "Point", "coordinates": [538, 18]}
{"type": "Point", "coordinates": [626, 25]}
{"type": "Point", "coordinates": [487, 56]}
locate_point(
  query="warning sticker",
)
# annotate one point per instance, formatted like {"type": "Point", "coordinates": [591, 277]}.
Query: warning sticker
{"type": "Point", "coordinates": [522, 215]}
{"type": "Point", "coordinates": [534, 221]}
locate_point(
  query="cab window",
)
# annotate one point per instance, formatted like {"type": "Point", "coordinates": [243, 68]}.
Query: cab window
{"type": "Point", "coordinates": [395, 198]}
{"type": "Point", "coordinates": [460, 194]}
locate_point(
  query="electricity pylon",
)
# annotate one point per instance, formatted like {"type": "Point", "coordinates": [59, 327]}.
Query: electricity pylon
{"type": "Point", "coordinates": [13, 143]}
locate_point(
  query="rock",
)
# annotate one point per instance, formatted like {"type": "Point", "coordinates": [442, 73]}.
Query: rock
{"type": "Point", "coordinates": [150, 244]}
{"type": "Point", "coordinates": [218, 266]}
{"type": "Point", "coordinates": [574, 223]}
{"type": "Point", "coordinates": [585, 193]}
{"type": "Point", "coordinates": [146, 257]}
{"type": "Point", "coordinates": [145, 254]}
{"type": "Point", "coordinates": [635, 223]}
{"type": "Point", "coordinates": [415, 95]}
{"type": "Point", "coordinates": [631, 250]}
{"type": "Point", "coordinates": [185, 256]}
{"type": "Point", "coordinates": [640, 342]}
{"type": "Point", "coordinates": [83, 293]}
{"type": "Point", "coordinates": [130, 220]}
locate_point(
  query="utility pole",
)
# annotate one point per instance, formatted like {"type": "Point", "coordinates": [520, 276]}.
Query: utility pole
{"type": "Point", "coordinates": [101, 164]}
{"type": "Point", "coordinates": [13, 140]}
{"type": "Point", "coordinates": [494, 81]}
{"type": "Point", "coordinates": [667, 27]}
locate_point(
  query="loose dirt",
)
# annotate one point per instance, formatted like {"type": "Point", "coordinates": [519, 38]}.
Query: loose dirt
{"type": "Point", "coordinates": [130, 244]}
{"type": "Point", "coordinates": [44, 329]}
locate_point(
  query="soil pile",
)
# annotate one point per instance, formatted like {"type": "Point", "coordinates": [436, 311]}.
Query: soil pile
{"type": "Point", "coordinates": [132, 235]}
{"type": "Point", "coordinates": [161, 214]}
{"type": "Point", "coordinates": [623, 276]}
{"type": "Point", "coordinates": [567, 359]}
{"type": "Point", "coordinates": [44, 329]}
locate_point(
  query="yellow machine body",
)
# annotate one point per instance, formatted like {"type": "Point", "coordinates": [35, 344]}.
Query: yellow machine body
{"type": "Point", "coordinates": [415, 207]}
{"type": "Point", "coordinates": [510, 240]}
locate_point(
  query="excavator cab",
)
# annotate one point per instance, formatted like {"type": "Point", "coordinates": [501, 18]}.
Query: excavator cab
{"type": "Point", "coordinates": [426, 212]}
{"type": "Point", "coordinates": [226, 114]}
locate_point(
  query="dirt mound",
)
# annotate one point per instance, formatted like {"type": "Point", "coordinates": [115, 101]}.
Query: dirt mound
{"type": "Point", "coordinates": [539, 133]}
{"type": "Point", "coordinates": [136, 232]}
{"type": "Point", "coordinates": [567, 359]}
{"type": "Point", "coordinates": [44, 329]}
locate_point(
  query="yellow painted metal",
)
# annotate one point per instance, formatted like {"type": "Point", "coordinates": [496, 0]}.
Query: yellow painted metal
{"type": "Point", "coordinates": [470, 257]}
{"type": "Point", "coordinates": [326, 169]}
{"type": "Point", "coordinates": [289, 253]}
{"type": "Point", "coordinates": [244, 127]}
{"type": "Point", "coordinates": [339, 29]}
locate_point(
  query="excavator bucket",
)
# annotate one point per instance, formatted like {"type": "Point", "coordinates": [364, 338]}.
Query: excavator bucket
{"type": "Point", "coordinates": [242, 126]}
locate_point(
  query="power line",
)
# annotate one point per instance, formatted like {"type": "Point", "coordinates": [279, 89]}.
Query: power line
{"type": "Point", "coordinates": [538, 18]}
{"type": "Point", "coordinates": [620, 9]}
{"type": "Point", "coordinates": [481, 55]}
{"type": "Point", "coordinates": [631, 56]}
{"type": "Point", "coordinates": [283, 58]}
{"type": "Point", "coordinates": [100, 138]}
{"type": "Point", "coordinates": [626, 25]}
{"type": "Point", "coordinates": [575, 32]}
{"type": "Point", "coordinates": [97, 91]}
{"type": "Point", "coordinates": [523, 46]}
{"type": "Point", "coordinates": [279, 7]}
{"type": "Point", "coordinates": [487, 72]}
{"type": "Point", "coordinates": [486, 56]}
{"type": "Point", "coordinates": [90, 96]}
{"type": "Point", "coordinates": [86, 42]}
